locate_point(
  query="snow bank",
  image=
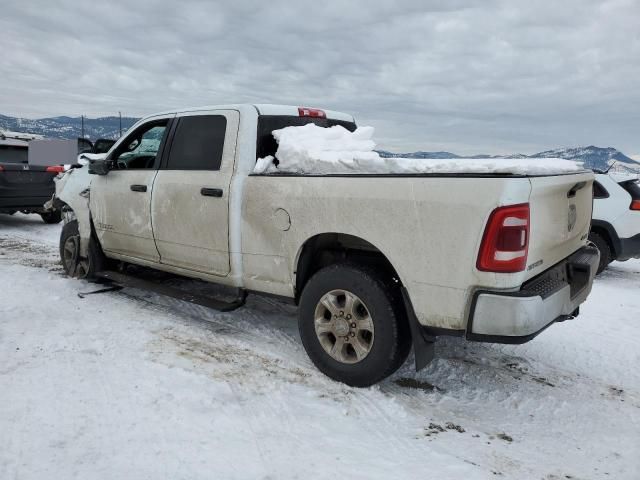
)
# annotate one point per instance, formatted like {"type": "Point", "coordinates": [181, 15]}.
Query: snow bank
{"type": "Point", "coordinates": [311, 149]}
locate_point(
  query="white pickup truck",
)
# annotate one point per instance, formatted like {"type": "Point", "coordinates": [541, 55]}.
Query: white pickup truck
{"type": "Point", "coordinates": [376, 262]}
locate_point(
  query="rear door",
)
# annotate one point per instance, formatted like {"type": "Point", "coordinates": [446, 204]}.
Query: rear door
{"type": "Point", "coordinates": [190, 201]}
{"type": "Point", "coordinates": [561, 208]}
{"type": "Point", "coordinates": [121, 200]}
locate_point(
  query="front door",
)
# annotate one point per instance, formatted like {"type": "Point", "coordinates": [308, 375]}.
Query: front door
{"type": "Point", "coordinates": [190, 201]}
{"type": "Point", "coordinates": [121, 200]}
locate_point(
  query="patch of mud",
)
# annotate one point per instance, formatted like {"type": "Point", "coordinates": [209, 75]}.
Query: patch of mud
{"type": "Point", "coordinates": [223, 359]}
{"type": "Point", "coordinates": [523, 370]}
{"type": "Point", "coordinates": [505, 437]}
{"type": "Point", "coordinates": [407, 382]}
{"type": "Point", "coordinates": [435, 428]}
{"type": "Point", "coordinates": [30, 254]}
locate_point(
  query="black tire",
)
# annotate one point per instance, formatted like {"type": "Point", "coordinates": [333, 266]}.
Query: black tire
{"type": "Point", "coordinates": [606, 255]}
{"type": "Point", "coordinates": [74, 265]}
{"type": "Point", "coordinates": [52, 217]}
{"type": "Point", "coordinates": [392, 338]}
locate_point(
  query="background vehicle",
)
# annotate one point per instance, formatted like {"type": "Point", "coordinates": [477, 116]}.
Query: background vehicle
{"type": "Point", "coordinates": [101, 145]}
{"type": "Point", "coordinates": [23, 187]}
{"type": "Point", "coordinates": [616, 217]}
{"type": "Point", "coordinates": [375, 262]}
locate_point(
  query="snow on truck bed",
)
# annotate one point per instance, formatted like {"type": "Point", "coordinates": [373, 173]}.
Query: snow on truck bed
{"type": "Point", "coordinates": [314, 150]}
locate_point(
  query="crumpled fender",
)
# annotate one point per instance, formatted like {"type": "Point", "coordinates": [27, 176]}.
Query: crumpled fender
{"type": "Point", "coordinates": [73, 189]}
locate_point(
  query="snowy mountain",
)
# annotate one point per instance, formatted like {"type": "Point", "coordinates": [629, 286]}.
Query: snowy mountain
{"type": "Point", "coordinates": [596, 158]}
{"type": "Point", "coordinates": [68, 127]}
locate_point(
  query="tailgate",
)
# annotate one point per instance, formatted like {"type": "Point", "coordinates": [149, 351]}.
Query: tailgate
{"type": "Point", "coordinates": [23, 185]}
{"type": "Point", "coordinates": [561, 208]}
{"type": "Point", "coordinates": [25, 175]}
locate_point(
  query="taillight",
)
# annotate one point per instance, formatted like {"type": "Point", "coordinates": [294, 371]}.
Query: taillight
{"type": "Point", "coordinates": [635, 205]}
{"type": "Point", "coordinates": [1, 168]}
{"type": "Point", "coordinates": [505, 242]}
{"type": "Point", "coordinates": [311, 112]}
{"type": "Point", "coordinates": [55, 169]}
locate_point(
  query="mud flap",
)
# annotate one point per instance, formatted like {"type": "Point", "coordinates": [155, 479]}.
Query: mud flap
{"type": "Point", "coordinates": [423, 344]}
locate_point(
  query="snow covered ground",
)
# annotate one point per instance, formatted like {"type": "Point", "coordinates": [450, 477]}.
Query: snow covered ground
{"type": "Point", "coordinates": [131, 385]}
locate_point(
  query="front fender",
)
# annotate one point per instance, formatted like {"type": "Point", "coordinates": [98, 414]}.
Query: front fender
{"type": "Point", "coordinates": [73, 190]}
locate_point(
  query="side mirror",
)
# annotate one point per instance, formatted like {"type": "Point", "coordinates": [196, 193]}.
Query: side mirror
{"type": "Point", "coordinates": [99, 167]}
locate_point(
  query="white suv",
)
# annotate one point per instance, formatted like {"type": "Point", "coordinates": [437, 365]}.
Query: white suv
{"type": "Point", "coordinates": [615, 228]}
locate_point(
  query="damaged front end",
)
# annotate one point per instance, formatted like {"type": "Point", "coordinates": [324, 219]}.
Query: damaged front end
{"type": "Point", "coordinates": [72, 199]}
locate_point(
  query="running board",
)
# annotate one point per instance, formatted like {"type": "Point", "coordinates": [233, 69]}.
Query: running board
{"type": "Point", "coordinates": [204, 300]}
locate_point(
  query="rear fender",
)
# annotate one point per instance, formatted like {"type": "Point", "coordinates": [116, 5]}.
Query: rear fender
{"type": "Point", "coordinates": [73, 190]}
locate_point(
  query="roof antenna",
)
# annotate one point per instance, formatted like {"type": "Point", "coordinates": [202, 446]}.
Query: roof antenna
{"type": "Point", "coordinates": [611, 166]}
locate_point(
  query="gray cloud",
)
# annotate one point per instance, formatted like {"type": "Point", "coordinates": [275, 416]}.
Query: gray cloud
{"type": "Point", "coordinates": [468, 76]}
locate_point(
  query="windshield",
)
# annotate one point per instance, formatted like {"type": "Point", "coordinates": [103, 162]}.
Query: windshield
{"type": "Point", "coordinates": [267, 145]}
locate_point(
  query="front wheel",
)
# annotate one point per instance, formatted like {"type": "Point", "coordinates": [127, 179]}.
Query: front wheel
{"type": "Point", "coordinates": [352, 326]}
{"type": "Point", "coordinates": [73, 263]}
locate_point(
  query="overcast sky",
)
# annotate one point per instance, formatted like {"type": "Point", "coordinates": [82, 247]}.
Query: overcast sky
{"type": "Point", "coordinates": [469, 76]}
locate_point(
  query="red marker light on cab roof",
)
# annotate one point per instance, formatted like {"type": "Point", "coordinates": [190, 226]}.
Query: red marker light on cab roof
{"type": "Point", "coordinates": [311, 112]}
{"type": "Point", "coordinates": [505, 244]}
{"type": "Point", "coordinates": [55, 169]}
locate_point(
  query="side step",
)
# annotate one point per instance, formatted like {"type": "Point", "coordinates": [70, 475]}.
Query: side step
{"type": "Point", "coordinates": [204, 300]}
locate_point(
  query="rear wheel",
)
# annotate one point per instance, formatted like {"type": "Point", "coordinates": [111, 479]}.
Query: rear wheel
{"type": "Point", "coordinates": [73, 263]}
{"type": "Point", "coordinates": [54, 216]}
{"type": "Point", "coordinates": [606, 256]}
{"type": "Point", "coordinates": [352, 326]}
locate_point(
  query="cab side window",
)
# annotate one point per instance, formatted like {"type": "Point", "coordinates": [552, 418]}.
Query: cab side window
{"type": "Point", "coordinates": [140, 149]}
{"type": "Point", "coordinates": [198, 143]}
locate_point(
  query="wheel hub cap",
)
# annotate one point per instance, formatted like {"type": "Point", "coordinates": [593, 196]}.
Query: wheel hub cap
{"type": "Point", "coordinates": [344, 326]}
{"type": "Point", "coordinates": [341, 327]}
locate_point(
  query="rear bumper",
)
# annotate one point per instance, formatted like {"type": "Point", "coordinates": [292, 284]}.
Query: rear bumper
{"type": "Point", "coordinates": [35, 203]}
{"type": "Point", "coordinates": [22, 198]}
{"type": "Point", "coordinates": [554, 295]}
{"type": "Point", "coordinates": [629, 248]}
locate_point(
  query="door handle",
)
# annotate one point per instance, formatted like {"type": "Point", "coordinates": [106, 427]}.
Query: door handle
{"type": "Point", "coordinates": [211, 192]}
{"type": "Point", "coordinates": [138, 188]}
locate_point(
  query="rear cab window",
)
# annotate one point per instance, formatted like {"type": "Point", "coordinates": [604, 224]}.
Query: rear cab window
{"type": "Point", "coordinates": [198, 143]}
{"type": "Point", "coordinates": [267, 145]}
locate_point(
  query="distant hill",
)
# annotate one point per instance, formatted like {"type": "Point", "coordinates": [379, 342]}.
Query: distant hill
{"type": "Point", "coordinates": [596, 158]}
{"type": "Point", "coordinates": [68, 127]}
